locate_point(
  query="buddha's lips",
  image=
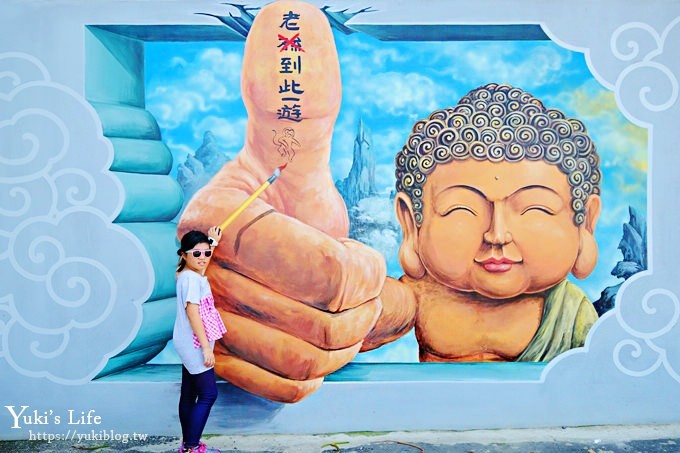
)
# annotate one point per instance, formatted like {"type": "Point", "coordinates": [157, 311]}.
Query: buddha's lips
{"type": "Point", "coordinates": [497, 265]}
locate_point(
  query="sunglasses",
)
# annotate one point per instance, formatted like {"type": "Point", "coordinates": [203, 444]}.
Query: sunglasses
{"type": "Point", "coordinates": [197, 253]}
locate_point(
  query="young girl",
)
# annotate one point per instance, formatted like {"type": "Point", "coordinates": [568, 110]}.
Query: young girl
{"type": "Point", "coordinates": [197, 326]}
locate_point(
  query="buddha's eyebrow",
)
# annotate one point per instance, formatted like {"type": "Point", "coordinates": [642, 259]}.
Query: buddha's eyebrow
{"type": "Point", "coordinates": [534, 186]}
{"type": "Point", "coordinates": [466, 187]}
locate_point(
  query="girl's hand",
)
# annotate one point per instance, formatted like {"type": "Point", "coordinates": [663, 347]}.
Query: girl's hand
{"type": "Point", "coordinates": [208, 357]}
{"type": "Point", "coordinates": [215, 232]}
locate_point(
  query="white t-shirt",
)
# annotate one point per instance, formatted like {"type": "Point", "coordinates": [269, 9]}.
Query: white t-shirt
{"type": "Point", "coordinates": [191, 288]}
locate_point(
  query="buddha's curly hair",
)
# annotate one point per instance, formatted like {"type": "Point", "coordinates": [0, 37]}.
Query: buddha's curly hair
{"type": "Point", "coordinates": [499, 122]}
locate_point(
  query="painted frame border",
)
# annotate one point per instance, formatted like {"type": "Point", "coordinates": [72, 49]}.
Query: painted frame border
{"type": "Point", "coordinates": [628, 372]}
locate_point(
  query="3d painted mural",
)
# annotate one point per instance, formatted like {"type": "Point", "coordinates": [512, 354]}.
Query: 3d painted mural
{"type": "Point", "coordinates": [486, 245]}
{"type": "Point", "coordinates": [473, 188]}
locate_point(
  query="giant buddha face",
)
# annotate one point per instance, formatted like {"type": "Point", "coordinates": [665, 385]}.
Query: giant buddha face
{"type": "Point", "coordinates": [499, 229]}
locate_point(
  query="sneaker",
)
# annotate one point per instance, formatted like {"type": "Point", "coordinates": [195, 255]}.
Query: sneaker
{"type": "Point", "coordinates": [203, 448]}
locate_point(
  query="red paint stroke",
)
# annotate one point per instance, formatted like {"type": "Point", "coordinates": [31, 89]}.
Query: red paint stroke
{"type": "Point", "coordinates": [290, 42]}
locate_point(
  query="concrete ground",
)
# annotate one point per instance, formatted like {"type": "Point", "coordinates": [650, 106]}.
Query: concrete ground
{"type": "Point", "coordinates": [594, 439]}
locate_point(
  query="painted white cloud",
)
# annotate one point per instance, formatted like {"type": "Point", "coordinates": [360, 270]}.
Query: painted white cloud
{"type": "Point", "coordinates": [380, 57]}
{"type": "Point", "coordinates": [173, 106]}
{"type": "Point", "coordinates": [350, 63]}
{"type": "Point", "coordinates": [219, 74]}
{"type": "Point", "coordinates": [377, 210]}
{"type": "Point", "coordinates": [68, 273]}
{"type": "Point", "coordinates": [224, 64]}
{"type": "Point", "coordinates": [196, 86]}
{"type": "Point", "coordinates": [230, 133]}
{"type": "Point", "coordinates": [375, 78]}
{"type": "Point", "coordinates": [505, 63]}
{"type": "Point", "coordinates": [178, 62]}
{"type": "Point", "coordinates": [395, 93]}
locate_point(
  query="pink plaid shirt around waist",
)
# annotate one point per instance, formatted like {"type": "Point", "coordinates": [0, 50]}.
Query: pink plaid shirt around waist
{"type": "Point", "coordinates": [212, 322]}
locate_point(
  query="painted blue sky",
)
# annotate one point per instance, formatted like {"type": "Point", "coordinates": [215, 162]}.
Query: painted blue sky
{"type": "Point", "coordinates": [194, 87]}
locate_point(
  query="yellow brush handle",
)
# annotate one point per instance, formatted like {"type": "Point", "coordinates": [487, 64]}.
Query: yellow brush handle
{"type": "Point", "coordinates": [244, 205]}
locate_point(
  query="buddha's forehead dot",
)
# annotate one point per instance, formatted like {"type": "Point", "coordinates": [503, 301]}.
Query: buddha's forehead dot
{"type": "Point", "coordinates": [497, 177]}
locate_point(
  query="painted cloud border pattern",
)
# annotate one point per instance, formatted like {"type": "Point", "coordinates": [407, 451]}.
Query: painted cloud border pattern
{"type": "Point", "coordinates": [640, 335]}
{"type": "Point", "coordinates": [69, 274]}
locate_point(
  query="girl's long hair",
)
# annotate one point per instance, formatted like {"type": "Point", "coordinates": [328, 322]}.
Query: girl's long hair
{"type": "Point", "coordinates": [188, 242]}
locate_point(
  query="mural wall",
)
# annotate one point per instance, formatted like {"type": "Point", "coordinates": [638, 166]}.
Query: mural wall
{"type": "Point", "coordinates": [465, 202]}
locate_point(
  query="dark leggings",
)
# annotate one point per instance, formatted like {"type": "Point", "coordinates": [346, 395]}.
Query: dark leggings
{"type": "Point", "coordinates": [199, 392]}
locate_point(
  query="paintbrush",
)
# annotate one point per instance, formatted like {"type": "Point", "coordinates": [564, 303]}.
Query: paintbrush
{"type": "Point", "coordinates": [250, 199]}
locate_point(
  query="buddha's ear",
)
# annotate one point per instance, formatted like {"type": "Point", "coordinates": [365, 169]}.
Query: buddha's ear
{"type": "Point", "coordinates": [408, 252]}
{"type": "Point", "coordinates": [587, 252]}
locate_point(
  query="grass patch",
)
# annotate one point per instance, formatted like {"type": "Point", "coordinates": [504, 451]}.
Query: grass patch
{"type": "Point", "coordinates": [334, 445]}
{"type": "Point", "coordinates": [368, 433]}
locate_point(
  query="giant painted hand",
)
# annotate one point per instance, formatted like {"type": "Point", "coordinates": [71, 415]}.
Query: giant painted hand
{"type": "Point", "coordinates": [297, 298]}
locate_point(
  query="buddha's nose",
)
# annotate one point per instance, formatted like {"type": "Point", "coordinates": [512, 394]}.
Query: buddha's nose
{"type": "Point", "coordinates": [498, 233]}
